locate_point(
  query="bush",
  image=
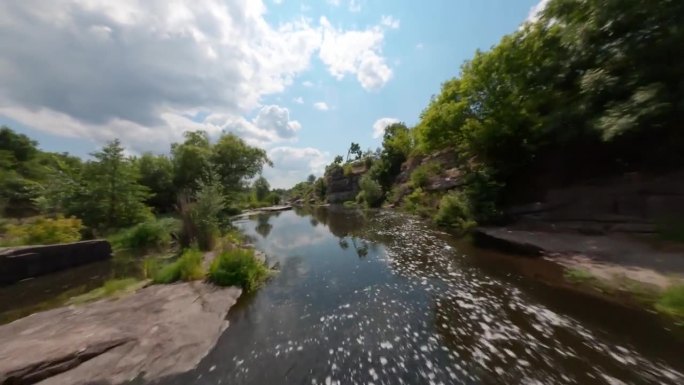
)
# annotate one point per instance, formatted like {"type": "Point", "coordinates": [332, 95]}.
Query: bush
{"type": "Point", "coordinates": [238, 267]}
{"type": "Point", "coordinates": [422, 174]}
{"type": "Point", "coordinates": [371, 192]}
{"type": "Point", "coordinates": [155, 234]}
{"type": "Point", "coordinates": [454, 212]}
{"type": "Point", "coordinates": [200, 218]}
{"type": "Point", "coordinates": [188, 267]}
{"type": "Point", "coordinates": [417, 202]}
{"type": "Point", "coordinates": [44, 231]}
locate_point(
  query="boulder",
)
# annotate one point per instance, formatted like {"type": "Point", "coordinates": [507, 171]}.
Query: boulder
{"type": "Point", "coordinates": [29, 261]}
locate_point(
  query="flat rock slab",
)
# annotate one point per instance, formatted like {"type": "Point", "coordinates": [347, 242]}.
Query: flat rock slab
{"type": "Point", "coordinates": [607, 255]}
{"type": "Point", "coordinates": [157, 331]}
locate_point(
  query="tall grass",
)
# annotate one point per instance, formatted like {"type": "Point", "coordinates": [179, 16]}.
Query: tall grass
{"type": "Point", "coordinates": [188, 267]}
{"type": "Point", "coordinates": [672, 301]}
{"type": "Point", "coordinates": [238, 267]}
{"type": "Point", "coordinates": [156, 234]}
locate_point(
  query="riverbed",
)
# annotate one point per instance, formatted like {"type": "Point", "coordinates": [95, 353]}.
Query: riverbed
{"type": "Point", "coordinates": [380, 297]}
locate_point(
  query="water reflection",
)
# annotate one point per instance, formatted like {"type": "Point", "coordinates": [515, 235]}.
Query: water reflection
{"type": "Point", "coordinates": [263, 227]}
{"type": "Point", "coordinates": [382, 298]}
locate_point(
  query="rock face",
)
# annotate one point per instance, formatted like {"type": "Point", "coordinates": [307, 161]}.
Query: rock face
{"type": "Point", "coordinates": [632, 203]}
{"type": "Point", "coordinates": [30, 261]}
{"type": "Point", "coordinates": [341, 187]}
{"type": "Point", "coordinates": [157, 331]}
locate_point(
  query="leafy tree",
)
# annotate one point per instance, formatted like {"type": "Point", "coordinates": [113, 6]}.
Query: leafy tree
{"type": "Point", "coordinates": [191, 160]}
{"type": "Point", "coordinates": [371, 191]}
{"type": "Point", "coordinates": [261, 189]}
{"type": "Point", "coordinates": [311, 178]}
{"type": "Point", "coordinates": [156, 173]}
{"type": "Point", "coordinates": [320, 189]}
{"type": "Point", "coordinates": [338, 160]}
{"type": "Point", "coordinates": [354, 149]}
{"type": "Point", "coordinates": [110, 195]}
{"type": "Point", "coordinates": [235, 161]}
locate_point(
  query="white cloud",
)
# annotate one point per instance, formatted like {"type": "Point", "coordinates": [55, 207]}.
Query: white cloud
{"type": "Point", "coordinates": [322, 106]}
{"type": "Point", "coordinates": [298, 100]}
{"type": "Point", "coordinates": [389, 22]}
{"type": "Point", "coordinates": [143, 64]}
{"type": "Point", "coordinates": [334, 3]}
{"type": "Point", "coordinates": [294, 164]}
{"type": "Point", "coordinates": [380, 125]}
{"type": "Point", "coordinates": [307, 83]}
{"type": "Point", "coordinates": [533, 15]}
{"type": "Point", "coordinates": [355, 52]}
{"type": "Point", "coordinates": [277, 2]}
{"type": "Point", "coordinates": [354, 6]}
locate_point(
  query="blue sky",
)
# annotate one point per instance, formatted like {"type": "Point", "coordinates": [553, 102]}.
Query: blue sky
{"type": "Point", "coordinates": [301, 79]}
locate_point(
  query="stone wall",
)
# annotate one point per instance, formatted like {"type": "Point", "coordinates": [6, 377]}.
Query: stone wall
{"type": "Point", "coordinates": [633, 202]}
{"type": "Point", "coordinates": [30, 261]}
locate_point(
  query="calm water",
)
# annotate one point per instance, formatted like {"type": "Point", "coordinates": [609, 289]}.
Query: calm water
{"type": "Point", "coordinates": [382, 298]}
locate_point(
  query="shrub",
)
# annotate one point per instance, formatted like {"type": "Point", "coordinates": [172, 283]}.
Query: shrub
{"type": "Point", "coordinates": [44, 231]}
{"type": "Point", "coordinates": [200, 218]}
{"type": "Point", "coordinates": [238, 267]}
{"type": "Point", "coordinates": [672, 301]}
{"type": "Point", "coordinates": [371, 192]}
{"type": "Point", "coordinates": [422, 174]}
{"type": "Point", "coordinates": [154, 234]}
{"type": "Point", "coordinates": [188, 267]}
{"type": "Point", "coordinates": [454, 212]}
{"type": "Point", "coordinates": [416, 201]}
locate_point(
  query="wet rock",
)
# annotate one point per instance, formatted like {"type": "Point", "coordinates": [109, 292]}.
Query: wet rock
{"type": "Point", "coordinates": [29, 261]}
{"type": "Point", "coordinates": [157, 331]}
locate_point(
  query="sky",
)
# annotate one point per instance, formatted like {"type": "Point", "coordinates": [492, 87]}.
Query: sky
{"type": "Point", "coordinates": [300, 78]}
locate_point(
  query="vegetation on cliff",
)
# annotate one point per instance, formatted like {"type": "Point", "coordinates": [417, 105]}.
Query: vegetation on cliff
{"type": "Point", "coordinates": [589, 88]}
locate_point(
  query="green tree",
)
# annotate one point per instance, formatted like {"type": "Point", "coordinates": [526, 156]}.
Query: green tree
{"type": "Point", "coordinates": [235, 161]}
{"type": "Point", "coordinates": [111, 195]}
{"type": "Point", "coordinates": [261, 188]}
{"type": "Point", "coordinates": [311, 178]}
{"type": "Point", "coordinates": [354, 149]}
{"type": "Point", "coordinates": [338, 160]}
{"type": "Point", "coordinates": [156, 173]}
{"type": "Point", "coordinates": [191, 160]}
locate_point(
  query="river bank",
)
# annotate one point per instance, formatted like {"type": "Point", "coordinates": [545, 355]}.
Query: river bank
{"type": "Point", "coordinates": [616, 267]}
{"type": "Point", "coordinates": [157, 331]}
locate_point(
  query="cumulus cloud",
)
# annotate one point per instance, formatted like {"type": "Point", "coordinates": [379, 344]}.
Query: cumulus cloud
{"type": "Point", "coordinates": [380, 125]}
{"type": "Point", "coordinates": [355, 52]}
{"type": "Point", "coordinates": [141, 70]}
{"type": "Point", "coordinates": [294, 164]}
{"type": "Point", "coordinates": [322, 106]}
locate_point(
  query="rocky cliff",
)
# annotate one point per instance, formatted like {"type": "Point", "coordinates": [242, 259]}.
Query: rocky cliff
{"type": "Point", "coordinates": [343, 182]}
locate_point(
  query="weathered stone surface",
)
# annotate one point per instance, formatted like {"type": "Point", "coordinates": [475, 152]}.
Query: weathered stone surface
{"type": "Point", "coordinates": [24, 262]}
{"type": "Point", "coordinates": [343, 187]}
{"type": "Point", "coordinates": [614, 249]}
{"type": "Point", "coordinates": [157, 331]}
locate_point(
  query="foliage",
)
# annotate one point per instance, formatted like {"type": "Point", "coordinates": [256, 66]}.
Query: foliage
{"type": "Point", "coordinates": [156, 173]}
{"type": "Point", "coordinates": [422, 174]}
{"type": "Point", "coordinates": [261, 188]}
{"type": "Point", "coordinates": [320, 189]}
{"type": "Point", "coordinates": [338, 160]}
{"type": "Point", "coordinates": [154, 234]}
{"type": "Point", "coordinates": [397, 144]}
{"type": "Point", "coordinates": [371, 191]}
{"type": "Point", "coordinates": [200, 216]}
{"type": "Point", "coordinates": [188, 267]}
{"type": "Point", "coordinates": [235, 161]}
{"type": "Point", "coordinates": [354, 149]}
{"type": "Point", "coordinates": [109, 195]}
{"type": "Point", "coordinates": [44, 231]}
{"type": "Point", "coordinates": [238, 267]}
{"type": "Point", "coordinates": [418, 202]}
{"type": "Point", "coordinates": [672, 301]}
{"type": "Point", "coordinates": [454, 212]}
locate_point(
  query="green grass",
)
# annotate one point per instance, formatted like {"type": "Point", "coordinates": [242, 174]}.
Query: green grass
{"type": "Point", "coordinates": [110, 288]}
{"type": "Point", "coordinates": [238, 267]}
{"type": "Point", "coordinates": [671, 301]}
{"type": "Point", "coordinates": [156, 234]}
{"type": "Point", "coordinates": [575, 275]}
{"type": "Point", "coordinates": [188, 267]}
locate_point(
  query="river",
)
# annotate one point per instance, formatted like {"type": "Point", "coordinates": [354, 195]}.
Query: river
{"type": "Point", "coordinates": [383, 298]}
